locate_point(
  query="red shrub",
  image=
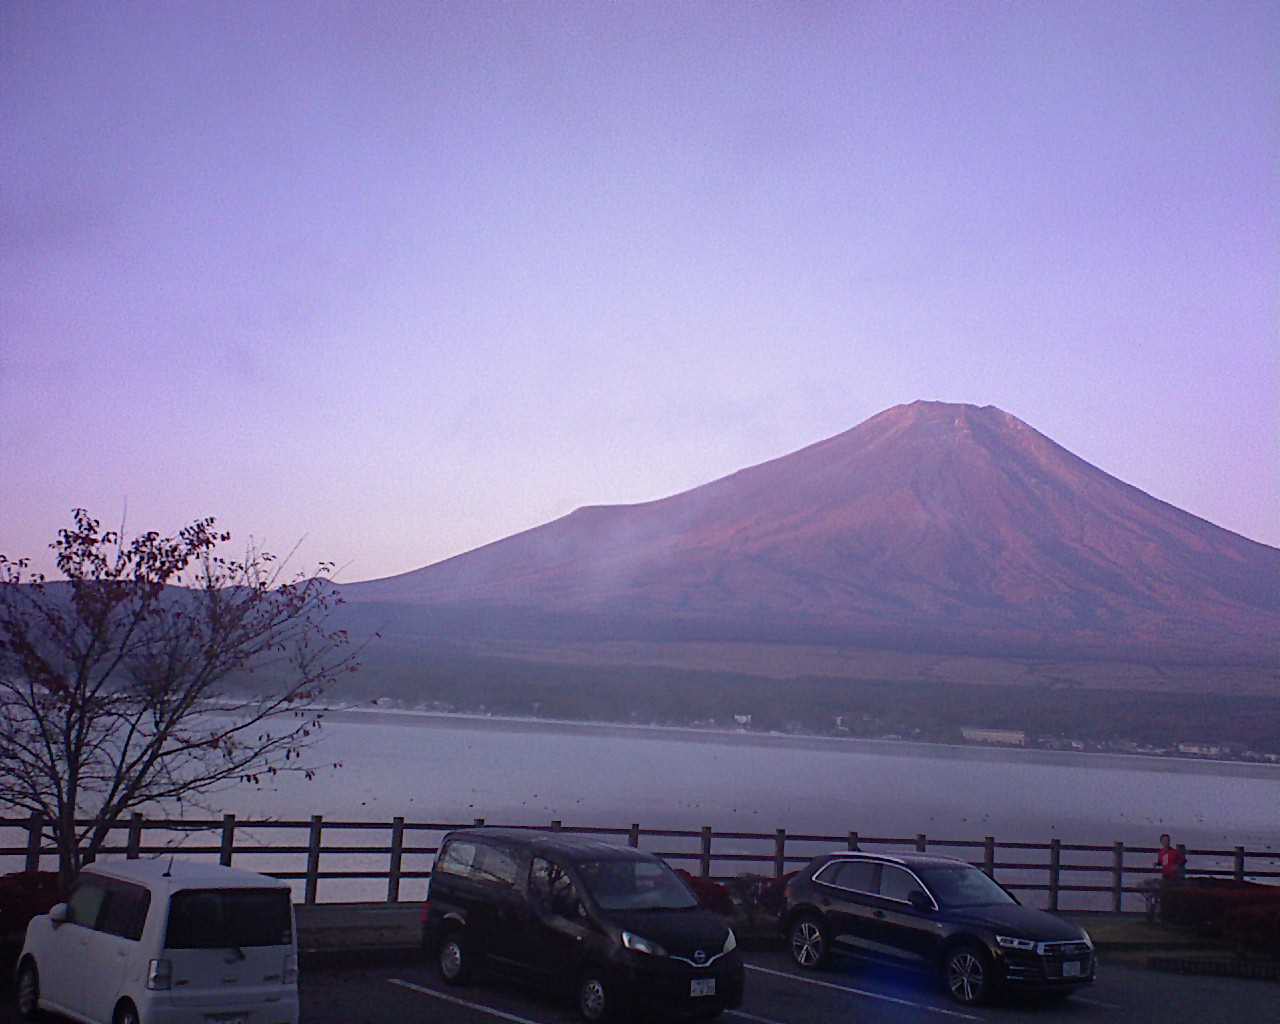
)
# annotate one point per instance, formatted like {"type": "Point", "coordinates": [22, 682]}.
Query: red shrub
{"type": "Point", "coordinates": [1254, 929]}
{"type": "Point", "coordinates": [711, 895]}
{"type": "Point", "coordinates": [23, 895]}
{"type": "Point", "coordinates": [1205, 903]}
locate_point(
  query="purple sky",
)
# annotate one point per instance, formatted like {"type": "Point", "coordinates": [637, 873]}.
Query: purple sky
{"type": "Point", "coordinates": [405, 279]}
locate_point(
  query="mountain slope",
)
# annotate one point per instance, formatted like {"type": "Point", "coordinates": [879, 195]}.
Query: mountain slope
{"type": "Point", "coordinates": [930, 524]}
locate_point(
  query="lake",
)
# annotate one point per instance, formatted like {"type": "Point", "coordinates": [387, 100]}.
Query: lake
{"type": "Point", "coordinates": [454, 768]}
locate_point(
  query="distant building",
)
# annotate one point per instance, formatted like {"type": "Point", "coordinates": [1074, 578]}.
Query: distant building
{"type": "Point", "coordinates": [1000, 737]}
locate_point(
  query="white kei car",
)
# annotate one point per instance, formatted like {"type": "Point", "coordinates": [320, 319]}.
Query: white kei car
{"type": "Point", "coordinates": [164, 942]}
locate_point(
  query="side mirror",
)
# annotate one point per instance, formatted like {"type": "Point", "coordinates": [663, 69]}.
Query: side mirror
{"type": "Point", "coordinates": [58, 914]}
{"type": "Point", "coordinates": [920, 901]}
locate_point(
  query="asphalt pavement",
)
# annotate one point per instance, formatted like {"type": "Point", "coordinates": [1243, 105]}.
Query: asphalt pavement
{"type": "Point", "coordinates": [777, 993]}
{"type": "Point", "coordinates": [408, 991]}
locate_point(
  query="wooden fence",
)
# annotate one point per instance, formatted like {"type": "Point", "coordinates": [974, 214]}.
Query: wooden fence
{"type": "Point", "coordinates": [1104, 875]}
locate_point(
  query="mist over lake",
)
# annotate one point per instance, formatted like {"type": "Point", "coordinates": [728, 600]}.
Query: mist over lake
{"type": "Point", "coordinates": [442, 768]}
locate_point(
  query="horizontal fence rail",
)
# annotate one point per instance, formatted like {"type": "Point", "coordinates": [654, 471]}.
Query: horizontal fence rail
{"type": "Point", "coordinates": [307, 852]}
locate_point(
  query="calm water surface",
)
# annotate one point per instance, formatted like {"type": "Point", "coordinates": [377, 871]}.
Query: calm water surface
{"type": "Point", "coordinates": [454, 769]}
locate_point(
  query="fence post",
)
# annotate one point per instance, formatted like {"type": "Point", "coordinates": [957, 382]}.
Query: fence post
{"type": "Point", "coordinates": [633, 836]}
{"type": "Point", "coordinates": [313, 859]}
{"type": "Point", "coordinates": [556, 825]}
{"type": "Point", "coordinates": [922, 842]}
{"type": "Point", "coordinates": [35, 826]}
{"type": "Point", "coordinates": [705, 860]}
{"type": "Point", "coordinates": [1239, 863]}
{"type": "Point", "coordinates": [228, 840]}
{"type": "Point", "coordinates": [1117, 877]}
{"type": "Point", "coordinates": [133, 848]}
{"type": "Point", "coordinates": [989, 856]}
{"type": "Point", "coordinates": [779, 853]}
{"type": "Point", "coordinates": [397, 857]}
{"type": "Point", "coordinates": [853, 840]}
{"type": "Point", "coordinates": [1055, 870]}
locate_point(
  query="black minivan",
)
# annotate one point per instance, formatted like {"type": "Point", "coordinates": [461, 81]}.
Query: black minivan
{"type": "Point", "coordinates": [615, 926]}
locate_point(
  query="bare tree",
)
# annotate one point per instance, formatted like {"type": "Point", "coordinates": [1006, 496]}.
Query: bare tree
{"type": "Point", "coordinates": [114, 681]}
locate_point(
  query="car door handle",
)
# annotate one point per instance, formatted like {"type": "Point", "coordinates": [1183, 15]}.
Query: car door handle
{"type": "Point", "coordinates": [879, 914]}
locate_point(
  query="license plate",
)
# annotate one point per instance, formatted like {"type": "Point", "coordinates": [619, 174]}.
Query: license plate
{"type": "Point", "coordinates": [702, 987]}
{"type": "Point", "coordinates": [224, 1019]}
{"type": "Point", "coordinates": [1072, 969]}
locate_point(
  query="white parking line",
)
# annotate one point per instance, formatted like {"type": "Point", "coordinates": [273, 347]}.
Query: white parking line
{"type": "Point", "coordinates": [501, 1014]}
{"type": "Point", "coordinates": [862, 992]}
{"type": "Point", "coordinates": [1096, 1002]}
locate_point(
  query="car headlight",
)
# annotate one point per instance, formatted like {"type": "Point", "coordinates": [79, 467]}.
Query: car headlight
{"type": "Point", "coordinates": [1009, 942]}
{"type": "Point", "coordinates": [731, 943]}
{"type": "Point", "coordinates": [1088, 940]}
{"type": "Point", "coordinates": [637, 944]}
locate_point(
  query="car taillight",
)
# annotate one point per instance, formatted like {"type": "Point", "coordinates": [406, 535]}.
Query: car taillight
{"type": "Point", "coordinates": [160, 975]}
{"type": "Point", "coordinates": [426, 912]}
{"type": "Point", "coordinates": [291, 969]}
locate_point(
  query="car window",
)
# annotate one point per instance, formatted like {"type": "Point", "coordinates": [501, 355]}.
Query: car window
{"type": "Point", "coordinates": [964, 886]}
{"type": "Point", "coordinates": [552, 888]}
{"type": "Point", "coordinates": [229, 918]}
{"type": "Point", "coordinates": [495, 865]}
{"type": "Point", "coordinates": [895, 883]}
{"type": "Point", "coordinates": [125, 911]}
{"type": "Point", "coordinates": [457, 858]}
{"type": "Point", "coordinates": [858, 875]}
{"type": "Point", "coordinates": [635, 885]}
{"type": "Point", "coordinates": [85, 902]}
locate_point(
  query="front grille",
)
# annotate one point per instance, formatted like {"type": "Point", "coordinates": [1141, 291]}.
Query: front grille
{"type": "Point", "coordinates": [694, 962]}
{"type": "Point", "coordinates": [1067, 949]}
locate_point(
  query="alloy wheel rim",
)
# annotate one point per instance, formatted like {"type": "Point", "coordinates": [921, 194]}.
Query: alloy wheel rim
{"type": "Point", "coordinates": [592, 999]}
{"type": "Point", "coordinates": [965, 975]}
{"type": "Point", "coordinates": [27, 993]}
{"type": "Point", "coordinates": [451, 959]}
{"type": "Point", "coordinates": [806, 943]}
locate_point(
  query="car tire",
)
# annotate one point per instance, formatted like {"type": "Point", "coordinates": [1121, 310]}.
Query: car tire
{"type": "Point", "coordinates": [126, 1013]}
{"type": "Point", "coordinates": [596, 996]}
{"type": "Point", "coordinates": [968, 974]}
{"type": "Point", "coordinates": [28, 991]}
{"type": "Point", "coordinates": [809, 942]}
{"type": "Point", "coordinates": [453, 958]}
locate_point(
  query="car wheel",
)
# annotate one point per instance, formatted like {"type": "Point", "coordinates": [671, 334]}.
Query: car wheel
{"type": "Point", "coordinates": [809, 944]}
{"type": "Point", "coordinates": [28, 991]}
{"type": "Point", "coordinates": [595, 996]}
{"type": "Point", "coordinates": [454, 959]}
{"type": "Point", "coordinates": [126, 1013]}
{"type": "Point", "coordinates": [967, 973]}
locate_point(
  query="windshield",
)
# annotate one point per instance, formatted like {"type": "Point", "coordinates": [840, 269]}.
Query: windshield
{"type": "Point", "coordinates": [229, 919]}
{"type": "Point", "coordinates": [963, 887]}
{"type": "Point", "coordinates": [635, 885]}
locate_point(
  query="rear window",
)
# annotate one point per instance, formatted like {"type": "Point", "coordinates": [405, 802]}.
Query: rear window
{"type": "Point", "coordinates": [478, 862]}
{"type": "Point", "coordinates": [226, 918]}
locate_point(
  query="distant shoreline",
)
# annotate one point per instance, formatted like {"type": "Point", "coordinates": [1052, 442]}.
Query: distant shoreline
{"type": "Point", "coordinates": [850, 744]}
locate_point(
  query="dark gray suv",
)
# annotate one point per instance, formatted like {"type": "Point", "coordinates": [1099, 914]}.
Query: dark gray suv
{"type": "Point", "coordinates": [938, 912]}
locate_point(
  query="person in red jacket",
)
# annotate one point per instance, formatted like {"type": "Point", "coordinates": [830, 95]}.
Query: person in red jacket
{"type": "Point", "coordinates": [1171, 861]}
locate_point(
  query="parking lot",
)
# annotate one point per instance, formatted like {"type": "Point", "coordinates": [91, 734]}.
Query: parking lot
{"type": "Point", "coordinates": [779, 994]}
